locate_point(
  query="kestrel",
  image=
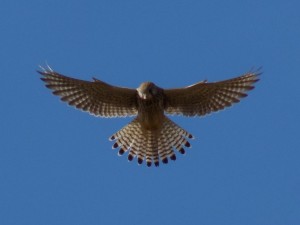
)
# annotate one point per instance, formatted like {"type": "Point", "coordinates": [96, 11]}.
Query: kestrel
{"type": "Point", "coordinates": [151, 135]}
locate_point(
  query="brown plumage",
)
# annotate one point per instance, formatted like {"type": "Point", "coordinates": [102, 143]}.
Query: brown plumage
{"type": "Point", "coordinates": [150, 136]}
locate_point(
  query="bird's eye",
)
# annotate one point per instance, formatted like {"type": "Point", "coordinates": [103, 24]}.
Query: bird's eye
{"type": "Point", "coordinates": [152, 91]}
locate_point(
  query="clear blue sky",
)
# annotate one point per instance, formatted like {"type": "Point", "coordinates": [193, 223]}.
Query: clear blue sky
{"type": "Point", "coordinates": [56, 163]}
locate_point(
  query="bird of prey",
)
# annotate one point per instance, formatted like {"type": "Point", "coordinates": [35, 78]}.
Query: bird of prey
{"type": "Point", "coordinates": [151, 135]}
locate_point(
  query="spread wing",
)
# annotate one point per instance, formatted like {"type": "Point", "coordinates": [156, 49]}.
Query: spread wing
{"type": "Point", "coordinates": [96, 97]}
{"type": "Point", "coordinates": [203, 98]}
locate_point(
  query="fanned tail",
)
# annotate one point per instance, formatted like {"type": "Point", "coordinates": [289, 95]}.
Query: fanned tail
{"type": "Point", "coordinates": [149, 145]}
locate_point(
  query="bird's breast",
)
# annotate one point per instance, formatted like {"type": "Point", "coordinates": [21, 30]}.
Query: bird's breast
{"type": "Point", "coordinates": [150, 114]}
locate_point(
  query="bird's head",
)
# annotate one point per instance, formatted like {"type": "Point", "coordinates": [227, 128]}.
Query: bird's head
{"type": "Point", "coordinates": [147, 90]}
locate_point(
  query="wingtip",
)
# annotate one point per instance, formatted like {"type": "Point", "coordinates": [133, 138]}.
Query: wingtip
{"type": "Point", "coordinates": [45, 70]}
{"type": "Point", "coordinates": [257, 72]}
{"type": "Point", "coordinates": [95, 79]}
{"type": "Point", "coordinates": [40, 72]}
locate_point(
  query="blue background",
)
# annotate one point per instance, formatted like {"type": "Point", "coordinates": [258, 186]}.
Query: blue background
{"type": "Point", "coordinates": [56, 163]}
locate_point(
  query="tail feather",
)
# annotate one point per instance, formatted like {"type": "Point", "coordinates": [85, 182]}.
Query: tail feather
{"type": "Point", "coordinates": [173, 137]}
{"type": "Point", "coordinates": [151, 146]}
{"type": "Point", "coordinates": [126, 137]}
{"type": "Point", "coordinates": [141, 151]}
